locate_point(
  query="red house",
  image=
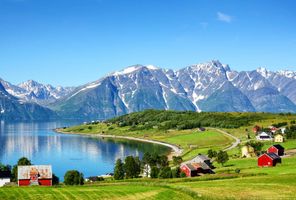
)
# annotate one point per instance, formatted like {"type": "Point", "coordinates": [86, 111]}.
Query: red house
{"type": "Point", "coordinates": [268, 160]}
{"type": "Point", "coordinates": [35, 175]}
{"type": "Point", "coordinates": [277, 149]}
{"type": "Point", "coordinates": [196, 169]}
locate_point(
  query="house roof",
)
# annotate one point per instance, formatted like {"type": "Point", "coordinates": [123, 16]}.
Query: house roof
{"type": "Point", "coordinates": [273, 156]}
{"type": "Point", "coordinates": [5, 174]}
{"type": "Point", "coordinates": [191, 167]}
{"type": "Point", "coordinates": [278, 146]}
{"type": "Point", "coordinates": [203, 157]}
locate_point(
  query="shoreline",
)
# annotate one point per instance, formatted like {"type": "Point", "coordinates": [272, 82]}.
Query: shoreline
{"type": "Point", "coordinates": [175, 150]}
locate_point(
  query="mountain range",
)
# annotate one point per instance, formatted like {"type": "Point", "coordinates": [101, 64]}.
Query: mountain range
{"type": "Point", "coordinates": [210, 86]}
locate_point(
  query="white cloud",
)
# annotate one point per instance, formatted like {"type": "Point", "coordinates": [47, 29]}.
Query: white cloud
{"type": "Point", "coordinates": [224, 17]}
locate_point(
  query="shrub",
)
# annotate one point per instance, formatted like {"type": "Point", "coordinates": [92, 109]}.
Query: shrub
{"type": "Point", "coordinates": [165, 172]}
{"type": "Point", "coordinates": [55, 180]}
{"type": "Point", "coordinates": [73, 177]}
{"type": "Point", "coordinates": [154, 172]}
{"type": "Point", "coordinates": [182, 175]}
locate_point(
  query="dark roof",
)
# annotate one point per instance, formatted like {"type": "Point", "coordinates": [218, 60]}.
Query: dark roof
{"type": "Point", "coordinates": [273, 156]}
{"type": "Point", "coordinates": [5, 174]}
{"type": "Point", "coordinates": [278, 146]}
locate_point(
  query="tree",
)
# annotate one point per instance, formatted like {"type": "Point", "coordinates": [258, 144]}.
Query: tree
{"type": "Point", "coordinates": [165, 172]}
{"type": "Point", "coordinates": [212, 153]}
{"type": "Point", "coordinates": [163, 161]}
{"type": "Point", "coordinates": [176, 172]}
{"type": "Point", "coordinates": [20, 162]}
{"type": "Point", "coordinates": [55, 180]}
{"type": "Point", "coordinates": [177, 160]}
{"type": "Point", "coordinates": [256, 145]}
{"type": "Point", "coordinates": [131, 167]}
{"type": "Point", "coordinates": [73, 177]}
{"type": "Point", "coordinates": [222, 157]}
{"type": "Point", "coordinates": [118, 170]}
{"type": "Point", "coordinates": [154, 172]}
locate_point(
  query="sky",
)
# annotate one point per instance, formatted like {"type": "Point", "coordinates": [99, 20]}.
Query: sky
{"type": "Point", "coordinates": [73, 42]}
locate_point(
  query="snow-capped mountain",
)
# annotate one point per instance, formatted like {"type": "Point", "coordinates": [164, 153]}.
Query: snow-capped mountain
{"type": "Point", "coordinates": [210, 86]}
{"type": "Point", "coordinates": [12, 108]}
{"type": "Point", "coordinates": [32, 91]}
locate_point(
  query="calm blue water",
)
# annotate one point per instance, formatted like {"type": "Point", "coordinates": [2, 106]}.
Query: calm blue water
{"type": "Point", "coordinates": [91, 156]}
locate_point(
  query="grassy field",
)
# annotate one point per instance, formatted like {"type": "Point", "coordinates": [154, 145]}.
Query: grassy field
{"type": "Point", "coordinates": [251, 183]}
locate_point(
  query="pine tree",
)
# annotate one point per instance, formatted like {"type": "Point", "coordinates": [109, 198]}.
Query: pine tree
{"type": "Point", "coordinates": [118, 170]}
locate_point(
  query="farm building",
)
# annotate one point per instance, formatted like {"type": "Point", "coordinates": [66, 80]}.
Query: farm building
{"type": "Point", "coordinates": [278, 138]}
{"type": "Point", "coordinates": [277, 149]}
{"type": "Point", "coordinates": [35, 175]}
{"type": "Point", "coordinates": [256, 129]}
{"type": "Point", "coordinates": [248, 151]}
{"type": "Point", "coordinates": [201, 159]}
{"type": "Point", "coordinates": [264, 136]}
{"type": "Point", "coordinates": [4, 177]}
{"type": "Point", "coordinates": [196, 169]}
{"type": "Point", "coordinates": [268, 160]}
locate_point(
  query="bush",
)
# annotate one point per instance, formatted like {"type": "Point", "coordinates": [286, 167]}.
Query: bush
{"type": "Point", "coordinates": [154, 172]}
{"type": "Point", "coordinates": [73, 177]}
{"type": "Point", "coordinates": [237, 170]}
{"type": "Point", "coordinates": [176, 172]}
{"type": "Point", "coordinates": [165, 172]}
{"type": "Point", "coordinates": [183, 175]}
{"type": "Point", "coordinates": [55, 180]}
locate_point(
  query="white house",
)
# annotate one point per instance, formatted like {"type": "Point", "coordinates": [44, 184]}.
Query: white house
{"type": "Point", "coordinates": [4, 177]}
{"type": "Point", "coordinates": [264, 136]}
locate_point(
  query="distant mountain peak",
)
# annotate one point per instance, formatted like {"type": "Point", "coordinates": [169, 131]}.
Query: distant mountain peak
{"type": "Point", "coordinates": [134, 68]}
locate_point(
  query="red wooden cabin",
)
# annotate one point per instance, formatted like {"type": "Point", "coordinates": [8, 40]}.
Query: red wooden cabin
{"type": "Point", "coordinates": [277, 149]}
{"type": "Point", "coordinates": [268, 160]}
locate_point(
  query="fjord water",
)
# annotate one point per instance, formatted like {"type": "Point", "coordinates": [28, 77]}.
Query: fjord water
{"type": "Point", "coordinates": [38, 142]}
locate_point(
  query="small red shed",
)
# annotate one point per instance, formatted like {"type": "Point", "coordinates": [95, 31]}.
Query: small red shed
{"type": "Point", "coordinates": [277, 149]}
{"type": "Point", "coordinates": [268, 160]}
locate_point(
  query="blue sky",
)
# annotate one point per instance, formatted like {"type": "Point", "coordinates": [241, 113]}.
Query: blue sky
{"type": "Point", "coordinates": [72, 42]}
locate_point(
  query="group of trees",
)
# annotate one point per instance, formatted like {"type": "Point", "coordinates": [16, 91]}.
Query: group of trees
{"type": "Point", "coordinates": [165, 120]}
{"type": "Point", "coordinates": [257, 145]}
{"type": "Point", "coordinates": [157, 166]}
{"type": "Point", "coordinates": [220, 156]}
{"type": "Point", "coordinates": [291, 132]}
{"type": "Point", "coordinates": [131, 168]}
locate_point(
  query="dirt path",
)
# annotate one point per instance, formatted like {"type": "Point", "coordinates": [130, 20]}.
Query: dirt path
{"type": "Point", "coordinates": [234, 144]}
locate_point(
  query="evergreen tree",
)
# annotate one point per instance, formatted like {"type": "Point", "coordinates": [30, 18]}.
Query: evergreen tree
{"type": "Point", "coordinates": [130, 167]}
{"type": "Point", "coordinates": [118, 170]}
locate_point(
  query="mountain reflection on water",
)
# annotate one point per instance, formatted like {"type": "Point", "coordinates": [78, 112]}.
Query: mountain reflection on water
{"type": "Point", "coordinates": [92, 156]}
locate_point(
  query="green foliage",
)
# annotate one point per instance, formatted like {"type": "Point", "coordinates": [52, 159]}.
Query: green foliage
{"type": "Point", "coordinates": [212, 153]}
{"type": "Point", "coordinates": [155, 160]}
{"type": "Point", "coordinates": [280, 124]}
{"type": "Point", "coordinates": [132, 167]}
{"type": "Point", "coordinates": [182, 175]}
{"type": "Point", "coordinates": [177, 160]}
{"type": "Point", "coordinates": [154, 172]}
{"type": "Point", "coordinates": [24, 161]}
{"type": "Point", "coordinates": [165, 172]}
{"type": "Point", "coordinates": [165, 120]}
{"type": "Point", "coordinates": [256, 145]}
{"type": "Point", "coordinates": [55, 180]}
{"type": "Point", "coordinates": [176, 172]}
{"type": "Point", "coordinates": [293, 122]}
{"type": "Point", "coordinates": [222, 157]}
{"type": "Point", "coordinates": [4, 167]}
{"type": "Point", "coordinates": [291, 132]}
{"type": "Point", "coordinates": [73, 177]}
{"type": "Point", "coordinates": [118, 170]}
